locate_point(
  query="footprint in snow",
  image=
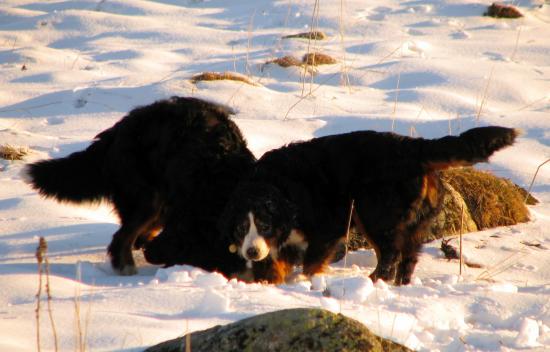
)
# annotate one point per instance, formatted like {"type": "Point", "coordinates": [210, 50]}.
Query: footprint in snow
{"type": "Point", "coordinates": [413, 31]}
{"type": "Point", "coordinates": [80, 103]}
{"type": "Point", "coordinates": [526, 267]}
{"type": "Point", "coordinates": [56, 120]}
{"type": "Point", "coordinates": [495, 56]}
{"type": "Point", "coordinates": [461, 34]}
{"type": "Point", "coordinates": [377, 14]}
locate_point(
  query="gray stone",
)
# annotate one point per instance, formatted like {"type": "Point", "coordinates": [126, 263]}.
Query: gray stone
{"type": "Point", "coordinates": [290, 330]}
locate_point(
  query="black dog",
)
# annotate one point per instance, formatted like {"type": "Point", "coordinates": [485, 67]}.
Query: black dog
{"type": "Point", "coordinates": [170, 165]}
{"type": "Point", "coordinates": [295, 207]}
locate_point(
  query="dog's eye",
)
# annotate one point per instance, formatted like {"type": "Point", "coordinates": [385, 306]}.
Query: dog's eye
{"type": "Point", "coordinates": [242, 228]}
{"type": "Point", "coordinates": [263, 228]}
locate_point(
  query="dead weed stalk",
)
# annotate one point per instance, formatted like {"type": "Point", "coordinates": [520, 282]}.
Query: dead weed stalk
{"type": "Point", "coordinates": [44, 268]}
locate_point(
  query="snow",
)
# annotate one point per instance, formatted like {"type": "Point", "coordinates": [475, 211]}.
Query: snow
{"type": "Point", "coordinates": [528, 334]}
{"type": "Point", "coordinates": [69, 69]}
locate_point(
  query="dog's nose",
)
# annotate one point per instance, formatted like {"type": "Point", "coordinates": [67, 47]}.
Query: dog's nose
{"type": "Point", "coordinates": [252, 253]}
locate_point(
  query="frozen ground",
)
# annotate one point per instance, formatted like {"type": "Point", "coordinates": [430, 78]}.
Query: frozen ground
{"type": "Point", "coordinates": [69, 69]}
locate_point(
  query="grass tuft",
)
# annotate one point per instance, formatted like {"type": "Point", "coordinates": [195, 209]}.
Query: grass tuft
{"type": "Point", "coordinates": [315, 59]}
{"type": "Point", "coordinates": [492, 201]}
{"type": "Point", "coordinates": [503, 11]}
{"type": "Point", "coordinates": [219, 76]}
{"type": "Point", "coordinates": [313, 35]}
{"type": "Point", "coordinates": [9, 152]}
{"type": "Point", "coordinates": [285, 61]}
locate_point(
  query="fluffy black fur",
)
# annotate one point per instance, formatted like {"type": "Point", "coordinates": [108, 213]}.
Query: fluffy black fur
{"type": "Point", "coordinates": [304, 191]}
{"type": "Point", "coordinates": [170, 165]}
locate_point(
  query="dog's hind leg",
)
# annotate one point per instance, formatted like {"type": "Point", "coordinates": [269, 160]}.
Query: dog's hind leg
{"type": "Point", "coordinates": [387, 257]}
{"type": "Point", "coordinates": [135, 220]}
{"type": "Point", "coordinates": [408, 262]}
{"type": "Point", "coordinates": [386, 253]}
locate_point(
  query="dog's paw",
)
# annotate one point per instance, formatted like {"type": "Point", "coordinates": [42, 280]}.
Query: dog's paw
{"type": "Point", "coordinates": [294, 278]}
{"type": "Point", "coordinates": [318, 283]}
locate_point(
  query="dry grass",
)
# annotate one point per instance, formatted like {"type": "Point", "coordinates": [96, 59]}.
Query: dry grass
{"type": "Point", "coordinates": [309, 59]}
{"type": "Point", "coordinates": [286, 61]}
{"type": "Point", "coordinates": [492, 201]}
{"type": "Point", "coordinates": [485, 95]}
{"type": "Point", "coordinates": [313, 35]}
{"type": "Point", "coordinates": [219, 76]}
{"type": "Point", "coordinates": [9, 152]}
{"type": "Point", "coordinates": [527, 195]}
{"type": "Point", "coordinates": [315, 59]}
{"type": "Point", "coordinates": [503, 11]}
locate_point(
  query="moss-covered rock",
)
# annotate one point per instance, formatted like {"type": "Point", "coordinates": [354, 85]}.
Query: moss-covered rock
{"type": "Point", "coordinates": [454, 214]}
{"type": "Point", "coordinates": [299, 330]}
{"type": "Point", "coordinates": [488, 201]}
{"type": "Point", "coordinates": [492, 201]}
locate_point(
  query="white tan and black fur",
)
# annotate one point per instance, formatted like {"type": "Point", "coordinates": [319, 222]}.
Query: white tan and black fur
{"type": "Point", "coordinates": [295, 207]}
{"type": "Point", "coordinates": [168, 166]}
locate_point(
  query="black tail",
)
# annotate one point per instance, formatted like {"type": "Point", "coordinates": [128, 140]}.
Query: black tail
{"type": "Point", "coordinates": [473, 146]}
{"type": "Point", "coordinates": [75, 178]}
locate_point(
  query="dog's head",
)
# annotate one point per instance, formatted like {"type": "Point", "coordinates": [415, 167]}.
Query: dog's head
{"type": "Point", "coordinates": [258, 219]}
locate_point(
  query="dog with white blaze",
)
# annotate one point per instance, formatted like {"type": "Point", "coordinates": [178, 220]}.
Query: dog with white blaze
{"type": "Point", "coordinates": [295, 207]}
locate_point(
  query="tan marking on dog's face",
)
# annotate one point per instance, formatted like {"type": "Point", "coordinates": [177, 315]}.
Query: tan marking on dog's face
{"type": "Point", "coordinates": [253, 240]}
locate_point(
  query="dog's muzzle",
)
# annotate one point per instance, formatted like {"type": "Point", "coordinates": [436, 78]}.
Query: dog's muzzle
{"type": "Point", "coordinates": [255, 248]}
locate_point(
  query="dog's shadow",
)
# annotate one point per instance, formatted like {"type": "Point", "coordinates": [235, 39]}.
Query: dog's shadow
{"type": "Point", "coordinates": [75, 252]}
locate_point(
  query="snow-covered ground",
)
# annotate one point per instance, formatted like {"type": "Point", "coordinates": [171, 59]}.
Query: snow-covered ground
{"type": "Point", "coordinates": [69, 69]}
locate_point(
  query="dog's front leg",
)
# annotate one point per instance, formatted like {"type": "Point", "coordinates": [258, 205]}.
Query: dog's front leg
{"type": "Point", "coordinates": [271, 271]}
{"type": "Point", "coordinates": [318, 255]}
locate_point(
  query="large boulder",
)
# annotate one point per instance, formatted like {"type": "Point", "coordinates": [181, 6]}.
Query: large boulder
{"type": "Point", "coordinates": [299, 330]}
{"type": "Point", "coordinates": [492, 201]}
{"type": "Point", "coordinates": [454, 216]}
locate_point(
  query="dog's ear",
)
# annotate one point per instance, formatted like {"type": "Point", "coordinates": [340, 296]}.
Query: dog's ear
{"type": "Point", "coordinates": [227, 219]}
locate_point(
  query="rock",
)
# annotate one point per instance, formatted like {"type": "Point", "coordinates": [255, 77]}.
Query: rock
{"type": "Point", "coordinates": [492, 201]}
{"type": "Point", "coordinates": [289, 330]}
{"type": "Point", "coordinates": [488, 201]}
{"type": "Point", "coordinates": [448, 220]}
